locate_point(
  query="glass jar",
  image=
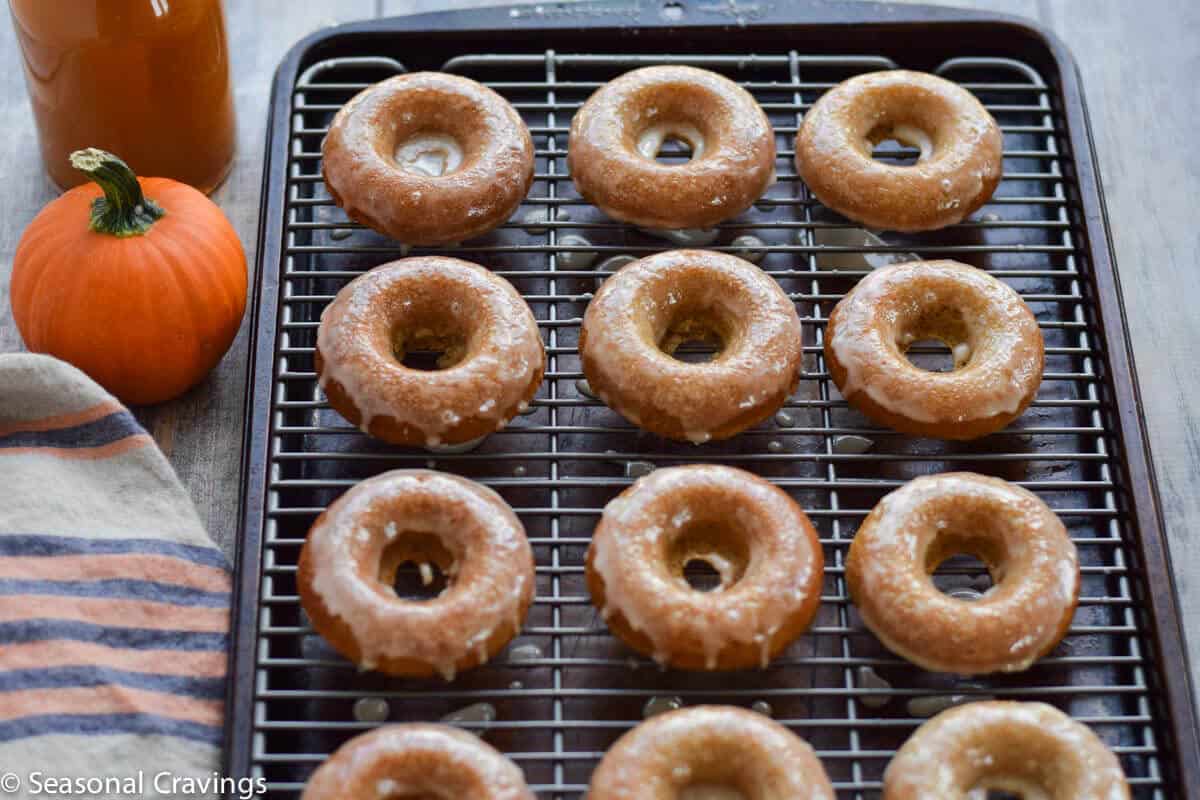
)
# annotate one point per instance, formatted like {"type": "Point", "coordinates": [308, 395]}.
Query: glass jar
{"type": "Point", "coordinates": [145, 79]}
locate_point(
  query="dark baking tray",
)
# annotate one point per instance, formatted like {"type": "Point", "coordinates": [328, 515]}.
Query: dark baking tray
{"type": "Point", "coordinates": [1082, 446]}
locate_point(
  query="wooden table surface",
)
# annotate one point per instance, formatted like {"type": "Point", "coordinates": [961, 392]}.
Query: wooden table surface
{"type": "Point", "coordinates": [1139, 70]}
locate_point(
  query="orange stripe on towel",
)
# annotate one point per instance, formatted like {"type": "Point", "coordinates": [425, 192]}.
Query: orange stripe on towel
{"type": "Point", "coordinates": [71, 653]}
{"type": "Point", "coordinates": [108, 700]}
{"type": "Point", "coordinates": [83, 453]}
{"type": "Point", "coordinates": [63, 420]}
{"type": "Point", "coordinates": [122, 613]}
{"type": "Point", "coordinates": [129, 566]}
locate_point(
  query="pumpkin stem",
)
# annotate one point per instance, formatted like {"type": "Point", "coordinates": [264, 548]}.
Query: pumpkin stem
{"type": "Point", "coordinates": [123, 210]}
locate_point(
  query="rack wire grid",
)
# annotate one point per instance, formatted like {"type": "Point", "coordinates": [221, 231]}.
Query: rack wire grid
{"type": "Point", "coordinates": [565, 689]}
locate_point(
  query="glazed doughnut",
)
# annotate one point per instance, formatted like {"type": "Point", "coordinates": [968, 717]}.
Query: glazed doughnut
{"type": "Point", "coordinates": [1032, 561]}
{"type": "Point", "coordinates": [417, 760]}
{"type": "Point", "coordinates": [995, 339]}
{"type": "Point", "coordinates": [710, 751]}
{"type": "Point", "coordinates": [349, 561]}
{"type": "Point", "coordinates": [644, 311]}
{"type": "Point", "coordinates": [757, 539]}
{"type": "Point", "coordinates": [492, 362]}
{"type": "Point", "coordinates": [428, 158]}
{"type": "Point", "coordinates": [1030, 750]}
{"type": "Point", "coordinates": [959, 166]}
{"type": "Point", "coordinates": [617, 133]}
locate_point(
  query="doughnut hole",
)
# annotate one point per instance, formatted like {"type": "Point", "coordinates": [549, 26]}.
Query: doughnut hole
{"type": "Point", "coordinates": [963, 577]}
{"type": "Point", "coordinates": [416, 566]}
{"type": "Point", "coordinates": [1015, 776]}
{"type": "Point", "coordinates": [433, 338]}
{"type": "Point", "coordinates": [695, 333]}
{"type": "Point", "coordinates": [720, 779]}
{"type": "Point", "coordinates": [931, 355]}
{"type": "Point", "coordinates": [432, 154]}
{"type": "Point", "coordinates": [952, 555]}
{"type": "Point", "coordinates": [708, 555]}
{"type": "Point", "coordinates": [433, 136]}
{"type": "Point", "coordinates": [682, 144]}
{"type": "Point", "coordinates": [908, 116]}
{"type": "Point", "coordinates": [694, 340]}
{"type": "Point", "coordinates": [462, 785]}
{"type": "Point", "coordinates": [672, 125]}
{"type": "Point", "coordinates": [671, 144]}
{"type": "Point", "coordinates": [410, 795]}
{"type": "Point", "coordinates": [938, 338]}
{"type": "Point", "coordinates": [885, 144]}
{"type": "Point", "coordinates": [711, 791]}
{"type": "Point", "coordinates": [428, 350]}
{"type": "Point", "coordinates": [702, 575]}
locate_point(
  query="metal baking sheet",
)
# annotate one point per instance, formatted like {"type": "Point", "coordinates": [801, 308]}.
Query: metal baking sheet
{"type": "Point", "coordinates": [566, 689]}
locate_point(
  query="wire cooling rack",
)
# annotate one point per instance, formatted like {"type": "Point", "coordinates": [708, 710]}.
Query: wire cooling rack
{"type": "Point", "coordinates": [565, 689]}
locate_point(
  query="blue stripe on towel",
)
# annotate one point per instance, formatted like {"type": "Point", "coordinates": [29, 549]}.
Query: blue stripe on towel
{"type": "Point", "coordinates": [117, 589]}
{"type": "Point", "coordinates": [37, 545]}
{"type": "Point", "coordinates": [107, 724]}
{"type": "Point", "coordinates": [40, 630]}
{"type": "Point", "coordinates": [72, 677]}
{"type": "Point", "coordinates": [98, 432]}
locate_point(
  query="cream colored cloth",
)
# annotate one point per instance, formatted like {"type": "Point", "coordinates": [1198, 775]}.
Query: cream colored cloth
{"type": "Point", "coordinates": [114, 603]}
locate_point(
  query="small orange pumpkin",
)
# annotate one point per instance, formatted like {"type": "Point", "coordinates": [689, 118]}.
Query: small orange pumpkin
{"type": "Point", "coordinates": [139, 282]}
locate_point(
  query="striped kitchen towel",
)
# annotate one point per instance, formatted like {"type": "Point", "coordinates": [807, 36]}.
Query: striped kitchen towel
{"type": "Point", "coordinates": [114, 603]}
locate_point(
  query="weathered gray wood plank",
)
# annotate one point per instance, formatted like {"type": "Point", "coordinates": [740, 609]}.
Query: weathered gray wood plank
{"type": "Point", "coordinates": [27, 188]}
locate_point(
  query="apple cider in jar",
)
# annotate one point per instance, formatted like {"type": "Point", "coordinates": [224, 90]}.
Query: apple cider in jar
{"type": "Point", "coordinates": [145, 79]}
